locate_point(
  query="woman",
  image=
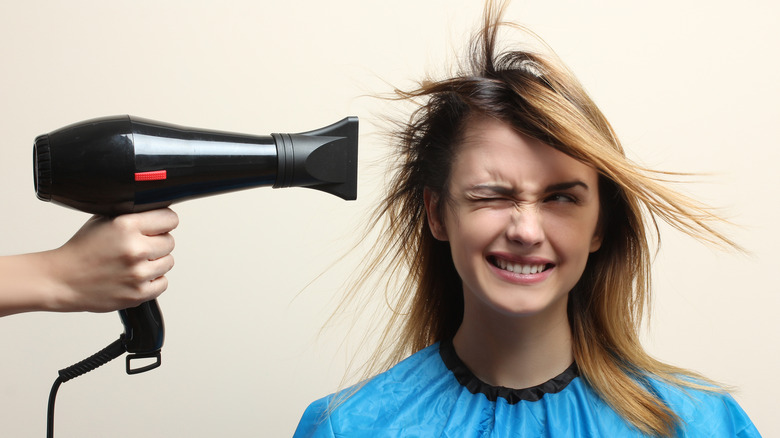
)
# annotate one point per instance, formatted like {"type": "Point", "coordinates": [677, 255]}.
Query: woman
{"type": "Point", "coordinates": [524, 231]}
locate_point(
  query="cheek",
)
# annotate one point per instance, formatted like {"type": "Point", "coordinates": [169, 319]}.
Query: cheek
{"type": "Point", "coordinates": [471, 234]}
{"type": "Point", "coordinates": [476, 228]}
{"type": "Point", "coordinates": [573, 237]}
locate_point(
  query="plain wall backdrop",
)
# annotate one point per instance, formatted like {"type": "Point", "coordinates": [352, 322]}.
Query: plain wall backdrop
{"type": "Point", "coordinates": [689, 86]}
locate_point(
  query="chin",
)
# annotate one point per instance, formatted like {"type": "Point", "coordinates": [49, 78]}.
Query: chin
{"type": "Point", "coordinates": [529, 306]}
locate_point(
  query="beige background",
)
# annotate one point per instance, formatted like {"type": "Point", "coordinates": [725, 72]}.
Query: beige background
{"type": "Point", "coordinates": [690, 86]}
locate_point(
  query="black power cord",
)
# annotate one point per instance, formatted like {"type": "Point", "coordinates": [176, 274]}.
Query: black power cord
{"type": "Point", "coordinates": [102, 357]}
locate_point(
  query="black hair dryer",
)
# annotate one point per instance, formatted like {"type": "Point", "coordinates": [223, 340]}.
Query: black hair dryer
{"type": "Point", "coordinates": [116, 165]}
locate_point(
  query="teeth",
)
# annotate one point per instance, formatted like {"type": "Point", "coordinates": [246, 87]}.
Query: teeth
{"type": "Point", "coordinates": [518, 268]}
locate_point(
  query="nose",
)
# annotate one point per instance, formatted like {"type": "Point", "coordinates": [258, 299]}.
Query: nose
{"type": "Point", "coordinates": [526, 226]}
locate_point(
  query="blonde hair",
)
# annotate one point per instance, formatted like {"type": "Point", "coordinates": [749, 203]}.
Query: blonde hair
{"type": "Point", "coordinates": [540, 98]}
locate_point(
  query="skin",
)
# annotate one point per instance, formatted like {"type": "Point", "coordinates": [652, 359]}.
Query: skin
{"type": "Point", "coordinates": [109, 264]}
{"type": "Point", "coordinates": [514, 200]}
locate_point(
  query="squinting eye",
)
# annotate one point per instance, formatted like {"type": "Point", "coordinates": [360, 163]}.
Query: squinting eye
{"type": "Point", "coordinates": [561, 197]}
{"type": "Point", "coordinates": [494, 201]}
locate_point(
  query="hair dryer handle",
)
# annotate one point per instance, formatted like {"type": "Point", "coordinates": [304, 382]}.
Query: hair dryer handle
{"type": "Point", "coordinates": [144, 334]}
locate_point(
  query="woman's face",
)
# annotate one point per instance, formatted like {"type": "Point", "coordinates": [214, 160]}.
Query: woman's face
{"type": "Point", "coordinates": [521, 220]}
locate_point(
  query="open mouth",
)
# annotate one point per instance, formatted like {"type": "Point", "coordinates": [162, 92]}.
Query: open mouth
{"type": "Point", "coordinates": [519, 268]}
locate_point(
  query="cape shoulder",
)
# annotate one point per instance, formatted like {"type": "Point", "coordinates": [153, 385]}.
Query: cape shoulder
{"type": "Point", "coordinates": [422, 396]}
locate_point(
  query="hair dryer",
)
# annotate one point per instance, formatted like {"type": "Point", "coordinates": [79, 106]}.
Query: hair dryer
{"type": "Point", "coordinates": [124, 164]}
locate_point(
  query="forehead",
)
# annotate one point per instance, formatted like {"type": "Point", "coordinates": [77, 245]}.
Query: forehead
{"type": "Point", "coordinates": [491, 150]}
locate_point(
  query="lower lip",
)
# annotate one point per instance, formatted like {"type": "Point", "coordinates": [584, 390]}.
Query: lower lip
{"type": "Point", "coordinates": [514, 277]}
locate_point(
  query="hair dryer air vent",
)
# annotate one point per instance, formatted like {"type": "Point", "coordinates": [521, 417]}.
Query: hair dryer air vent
{"type": "Point", "coordinates": [42, 167]}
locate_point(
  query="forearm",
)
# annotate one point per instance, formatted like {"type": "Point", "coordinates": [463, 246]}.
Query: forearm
{"type": "Point", "coordinates": [28, 283]}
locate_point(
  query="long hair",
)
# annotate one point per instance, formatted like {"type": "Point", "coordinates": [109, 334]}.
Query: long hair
{"type": "Point", "coordinates": [538, 97]}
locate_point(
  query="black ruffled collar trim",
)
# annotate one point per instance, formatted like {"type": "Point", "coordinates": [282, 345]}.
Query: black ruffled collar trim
{"type": "Point", "coordinates": [466, 378]}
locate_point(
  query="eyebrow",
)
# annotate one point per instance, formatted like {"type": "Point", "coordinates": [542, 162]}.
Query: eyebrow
{"type": "Point", "coordinates": [504, 190]}
{"type": "Point", "coordinates": [566, 186]}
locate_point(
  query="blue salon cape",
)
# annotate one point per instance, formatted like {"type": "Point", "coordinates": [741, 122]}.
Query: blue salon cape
{"type": "Point", "coordinates": [432, 394]}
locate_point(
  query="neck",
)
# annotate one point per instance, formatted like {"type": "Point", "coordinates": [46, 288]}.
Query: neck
{"type": "Point", "coordinates": [514, 351]}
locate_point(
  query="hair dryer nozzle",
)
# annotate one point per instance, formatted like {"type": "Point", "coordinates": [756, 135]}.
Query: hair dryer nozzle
{"type": "Point", "coordinates": [324, 159]}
